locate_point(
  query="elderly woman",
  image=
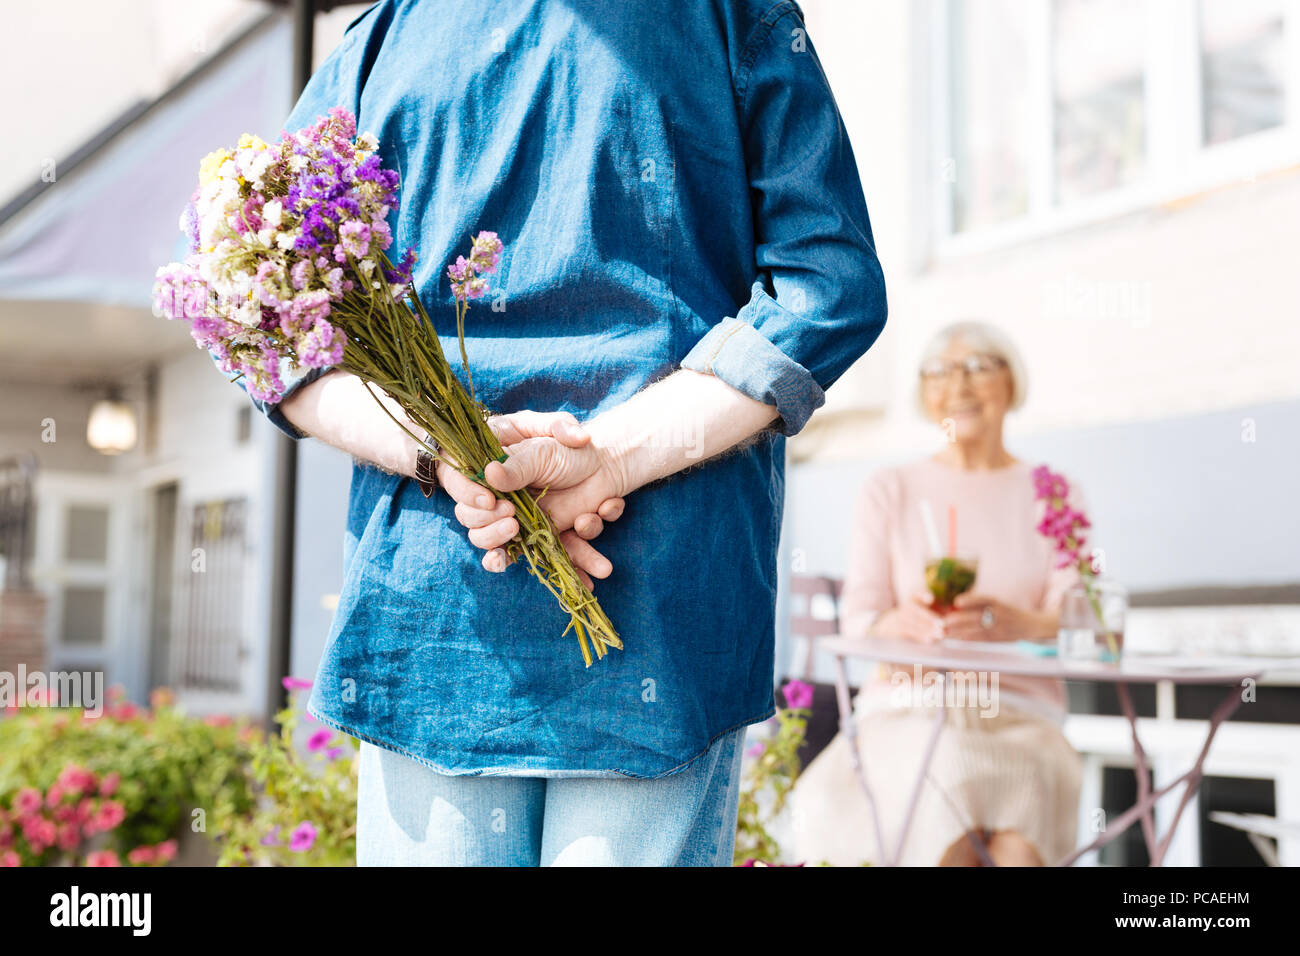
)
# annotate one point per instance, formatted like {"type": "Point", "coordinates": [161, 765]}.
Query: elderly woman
{"type": "Point", "coordinates": [1004, 773]}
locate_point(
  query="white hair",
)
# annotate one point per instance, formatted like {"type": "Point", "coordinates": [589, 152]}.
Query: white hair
{"type": "Point", "coordinates": [981, 337]}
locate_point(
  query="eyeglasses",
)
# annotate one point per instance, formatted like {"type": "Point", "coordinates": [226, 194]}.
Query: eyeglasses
{"type": "Point", "coordinates": [981, 368]}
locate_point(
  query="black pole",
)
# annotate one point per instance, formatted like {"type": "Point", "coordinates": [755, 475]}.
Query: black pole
{"type": "Point", "coordinates": [284, 495]}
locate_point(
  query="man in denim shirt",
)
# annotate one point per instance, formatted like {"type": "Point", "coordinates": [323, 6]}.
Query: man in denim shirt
{"type": "Point", "coordinates": [688, 265]}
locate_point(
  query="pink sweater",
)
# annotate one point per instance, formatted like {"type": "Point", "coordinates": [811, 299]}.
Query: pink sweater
{"type": "Point", "coordinates": [997, 518]}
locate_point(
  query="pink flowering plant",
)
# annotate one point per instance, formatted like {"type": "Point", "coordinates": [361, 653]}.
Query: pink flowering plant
{"type": "Point", "coordinates": [1065, 526]}
{"type": "Point", "coordinates": [773, 768]}
{"type": "Point", "coordinates": [306, 782]}
{"type": "Point", "coordinates": [116, 788]}
{"type": "Point", "coordinates": [287, 269]}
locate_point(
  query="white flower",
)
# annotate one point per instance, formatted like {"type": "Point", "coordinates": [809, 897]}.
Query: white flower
{"type": "Point", "coordinates": [272, 212]}
{"type": "Point", "coordinates": [249, 313]}
{"type": "Point", "coordinates": [368, 142]}
{"type": "Point", "coordinates": [285, 240]}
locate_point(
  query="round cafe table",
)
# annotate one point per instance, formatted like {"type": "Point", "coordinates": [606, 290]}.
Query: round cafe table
{"type": "Point", "coordinates": [965, 657]}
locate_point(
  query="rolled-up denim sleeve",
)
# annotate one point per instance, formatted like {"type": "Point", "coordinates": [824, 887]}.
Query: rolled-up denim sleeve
{"type": "Point", "coordinates": [817, 303]}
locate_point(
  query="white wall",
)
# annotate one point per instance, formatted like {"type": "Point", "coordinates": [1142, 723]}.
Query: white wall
{"type": "Point", "coordinates": [1208, 289]}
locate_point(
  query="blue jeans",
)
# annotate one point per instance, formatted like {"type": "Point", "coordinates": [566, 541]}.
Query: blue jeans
{"type": "Point", "coordinates": [411, 815]}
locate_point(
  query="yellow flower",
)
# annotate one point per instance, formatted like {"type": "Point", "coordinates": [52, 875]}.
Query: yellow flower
{"type": "Point", "coordinates": [210, 164]}
{"type": "Point", "coordinates": [249, 140]}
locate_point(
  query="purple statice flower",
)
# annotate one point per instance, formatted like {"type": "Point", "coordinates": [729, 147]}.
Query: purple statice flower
{"type": "Point", "coordinates": [300, 274]}
{"type": "Point", "coordinates": [321, 347]}
{"type": "Point", "coordinates": [466, 275]}
{"type": "Point", "coordinates": [269, 283]}
{"type": "Point", "coordinates": [485, 253]}
{"type": "Point", "coordinates": [179, 292]}
{"type": "Point", "coordinates": [460, 273]}
{"type": "Point", "coordinates": [354, 240]}
{"type": "Point", "coordinates": [401, 271]}
{"type": "Point", "coordinates": [261, 368]}
{"type": "Point", "coordinates": [190, 223]}
{"type": "Point", "coordinates": [302, 837]}
{"type": "Point", "coordinates": [304, 311]}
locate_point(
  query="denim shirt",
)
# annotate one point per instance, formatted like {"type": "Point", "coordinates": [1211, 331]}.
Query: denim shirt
{"type": "Point", "coordinates": [675, 188]}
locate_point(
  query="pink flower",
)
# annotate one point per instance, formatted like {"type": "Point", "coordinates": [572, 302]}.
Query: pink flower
{"type": "Point", "coordinates": [103, 858]}
{"type": "Point", "coordinates": [69, 837]}
{"type": "Point", "coordinates": [86, 811]}
{"type": "Point", "coordinates": [28, 800]}
{"type": "Point", "coordinates": [165, 851]}
{"type": "Point", "coordinates": [798, 694]}
{"type": "Point", "coordinates": [10, 858]}
{"type": "Point", "coordinates": [218, 720]}
{"type": "Point", "coordinates": [125, 711]}
{"type": "Point", "coordinates": [319, 739]}
{"type": "Point", "coordinates": [39, 833]}
{"type": "Point", "coordinates": [141, 855]}
{"type": "Point", "coordinates": [756, 749]}
{"type": "Point", "coordinates": [302, 838]}
{"type": "Point", "coordinates": [110, 815]}
{"type": "Point", "coordinates": [485, 253]}
{"type": "Point", "coordinates": [108, 786]}
{"type": "Point", "coordinates": [295, 683]}
{"type": "Point", "coordinates": [53, 796]}
{"type": "Point", "coordinates": [76, 780]}
{"type": "Point", "coordinates": [354, 239]}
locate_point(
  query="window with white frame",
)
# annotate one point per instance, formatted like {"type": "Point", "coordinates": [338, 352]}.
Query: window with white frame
{"type": "Point", "coordinates": [1051, 111]}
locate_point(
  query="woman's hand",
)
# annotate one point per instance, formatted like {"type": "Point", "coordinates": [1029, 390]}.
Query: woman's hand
{"type": "Point", "coordinates": [913, 620]}
{"type": "Point", "coordinates": [979, 618]}
{"type": "Point", "coordinates": [491, 522]}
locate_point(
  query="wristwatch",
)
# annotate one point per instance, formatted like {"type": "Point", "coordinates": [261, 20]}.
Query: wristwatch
{"type": "Point", "coordinates": [426, 473]}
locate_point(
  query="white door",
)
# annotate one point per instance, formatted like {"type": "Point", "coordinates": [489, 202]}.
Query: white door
{"type": "Point", "coordinates": [81, 562]}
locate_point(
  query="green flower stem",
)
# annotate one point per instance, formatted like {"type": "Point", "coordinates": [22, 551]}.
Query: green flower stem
{"type": "Point", "coordinates": [1085, 570]}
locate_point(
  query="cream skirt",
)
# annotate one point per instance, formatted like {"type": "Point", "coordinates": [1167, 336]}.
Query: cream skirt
{"type": "Point", "coordinates": [1012, 771]}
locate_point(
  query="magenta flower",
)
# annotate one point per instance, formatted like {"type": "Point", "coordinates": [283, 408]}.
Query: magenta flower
{"type": "Point", "coordinates": [798, 695]}
{"type": "Point", "coordinates": [1062, 524]}
{"type": "Point", "coordinates": [295, 683]}
{"type": "Point", "coordinates": [76, 780]}
{"type": "Point", "coordinates": [302, 838]}
{"type": "Point", "coordinates": [28, 800]}
{"type": "Point", "coordinates": [319, 739]}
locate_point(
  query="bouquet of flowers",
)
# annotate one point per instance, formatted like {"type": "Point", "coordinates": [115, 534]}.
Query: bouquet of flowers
{"type": "Point", "coordinates": [287, 260]}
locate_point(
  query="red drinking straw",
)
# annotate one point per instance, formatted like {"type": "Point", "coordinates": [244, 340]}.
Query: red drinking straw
{"type": "Point", "coordinates": [952, 531]}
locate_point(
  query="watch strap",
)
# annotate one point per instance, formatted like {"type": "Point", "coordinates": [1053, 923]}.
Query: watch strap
{"type": "Point", "coordinates": [426, 474]}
